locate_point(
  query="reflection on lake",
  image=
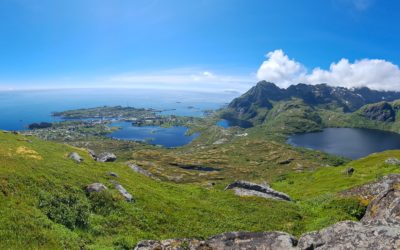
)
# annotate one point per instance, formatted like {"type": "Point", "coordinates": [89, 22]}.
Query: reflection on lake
{"type": "Point", "coordinates": [226, 123]}
{"type": "Point", "coordinates": [167, 137]}
{"type": "Point", "coordinates": [223, 123]}
{"type": "Point", "coordinates": [352, 143]}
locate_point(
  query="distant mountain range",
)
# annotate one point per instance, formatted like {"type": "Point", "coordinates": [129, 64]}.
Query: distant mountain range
{"type": "Point", "coordinates": [309, 107]}
{"type": "Point", "coordinates": [350, 100]}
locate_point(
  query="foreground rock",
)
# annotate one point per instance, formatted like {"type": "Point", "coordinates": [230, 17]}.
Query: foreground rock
{"type": "Point", "coordinates": [229, 241]}
{"type": "Point", "coordinates": [379, 229]}
{"type": "Point", "coordinates": [106, 157]}
{"type": "Point", "coordinates": [75, 157]}
{"type": "Point", "coordinates": [128, 197]}
{"type": "Point", "coordinates": [113, 174]}
{"type": "Point", "coordinates": [245, 188]}
{"type": "Point", "coordinates": [392, 161]}
{"type": "Point", "coordinates": [95, 188]}
{"type": "Point", "coordinates": [384, 209]}
{"type": "Point", "coordinates": [352, 235]}
{"type": "Point", "coordinates": [92, 154]}
{"type": "Point", "coordinates": [142, 171]}
{"type": "Point", "coordinates": [371, 190]}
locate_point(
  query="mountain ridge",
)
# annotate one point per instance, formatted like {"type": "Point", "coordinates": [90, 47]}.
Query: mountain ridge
{"type": "Point", "coordinates": [265, 103]}
{"type": "Point", "coordinates": [349, 99]}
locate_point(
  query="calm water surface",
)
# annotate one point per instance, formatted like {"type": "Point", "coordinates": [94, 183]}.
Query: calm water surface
{"type": "Point", "coordinates": [18, 109]}
{"type": "Point", "coordinates": [167, 137]}
{"type": "Point", "coordinates": [352, 143]}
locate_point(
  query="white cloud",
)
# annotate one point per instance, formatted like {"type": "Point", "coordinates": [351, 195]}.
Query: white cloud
{"type": "Point", "coordinates": [278, 68]}
{"type": "Point", "coordinates": [191, 79]}
{"type": "Point", "coordinates": [372, 73]}
{"type": "Point", "coordinates": [186, 78]}
{"type": "Point", "coordinates": [362, 5]}
{"type": "Point", "coordinates": [358, 5]}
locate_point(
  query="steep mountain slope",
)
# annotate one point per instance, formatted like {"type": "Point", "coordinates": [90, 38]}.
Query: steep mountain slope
{"type": "Point", "coordinates": [321, 94]}
{"type": "Point", "coordinates": [302, 108]}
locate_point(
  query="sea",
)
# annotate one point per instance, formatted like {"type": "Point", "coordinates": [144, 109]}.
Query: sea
{"type": "Point", "coordinates": [20, 108]}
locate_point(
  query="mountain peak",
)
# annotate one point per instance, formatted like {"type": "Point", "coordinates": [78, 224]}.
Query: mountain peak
{"type": "Point", "coordinates": [264, 94]}
{"type": "Point", "coordinates": [264, 83]}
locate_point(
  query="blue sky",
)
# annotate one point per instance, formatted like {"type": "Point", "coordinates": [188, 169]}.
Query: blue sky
{"type": "Point", "coordinates": [210, 44]}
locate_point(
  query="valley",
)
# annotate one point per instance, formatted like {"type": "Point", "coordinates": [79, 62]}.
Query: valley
{"type": "Point", "coordinates": [182, 192]}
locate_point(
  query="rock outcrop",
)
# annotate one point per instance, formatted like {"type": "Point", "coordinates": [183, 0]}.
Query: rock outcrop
{"type": "Point", "coordinates": [142, 171]}
{"type": "Point", "coordinates": [378, 229]}
{"type": "Point", "coordinates": [371, 190]}
{"type": "Point", "coordinates": [113, 174]}
{"type": "Point", "coordinates": [384, 209]}
{"type": "Point", "coordinates": [128, 197]}
{"type": "Point", "coordinates": [95, 188]}
{"type": "Point", "coordinates": [245, 188]}
{"type": "Point", "coordinates": [228, 241]}
{"type": "Point", "coordinates": [352, 235]}
{"type": "Point", "coordinates": [92, 154]}
{"type": "Point", "coordinates": [264, 93]}
{"type": "Point", "coordinates": [106, 157]}
{"type": "Point", "coordinates": [381, 111]}
{"type": "Point", "coordinates": [392, 161]}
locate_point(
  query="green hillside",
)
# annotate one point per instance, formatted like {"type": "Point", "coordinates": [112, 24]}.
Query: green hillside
{"type": "Point", "coordinates": [44, 203]}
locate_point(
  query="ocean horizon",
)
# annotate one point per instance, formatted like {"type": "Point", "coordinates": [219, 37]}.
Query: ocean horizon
{"type": "Point", "coordinates": [19, 108]}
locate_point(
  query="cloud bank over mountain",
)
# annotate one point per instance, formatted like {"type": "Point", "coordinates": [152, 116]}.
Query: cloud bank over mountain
{"type": "Point", "coordinates": [373, 73]}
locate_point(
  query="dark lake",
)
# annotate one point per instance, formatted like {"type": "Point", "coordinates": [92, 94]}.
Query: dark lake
{"type": "Point", "coordinates": [226, 123]}
{"type": "Point", "coordinates": [352, 143]}
{"type": "Point", "coordinates": [167, 137]}
{"type": "Point", "coordinates": [223, 123]}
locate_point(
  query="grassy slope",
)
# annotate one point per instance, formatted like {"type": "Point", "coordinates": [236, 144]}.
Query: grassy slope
{"type": "Point", "coordinates": [162, 210]}
{"type": "Point", "coordinates": [332, 179]}
{"type": "Point", "coordinates": [31, 169]}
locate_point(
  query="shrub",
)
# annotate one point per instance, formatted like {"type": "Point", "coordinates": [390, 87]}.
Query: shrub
{"type": "Point", "coordinates": [350, 206]}
{"type": "Point", "coordinates": [105, 202]}
{"type": "Point", "coordinates": [69, 208]}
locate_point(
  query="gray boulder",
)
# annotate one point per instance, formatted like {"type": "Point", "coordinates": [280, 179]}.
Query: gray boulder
{"type": "Point", "coordinates": [142, 171]}
{"type": "Point", "coordinates": [245, 188]}
{"type": "Point", "coordinates": [92, 154]}
{"type": "Point", "coordinates": [256, 241]}
{"type": "Point", "coordinates": [352, 235]}
{"type": "Point", "coordinates": [75, 157]}
{"type": "Point", "coordinates": [106, 157]}
{"type": "Point", "coordinates": [170, 244]}
{"type": "Point", "coordinates": [379, 228]}
{"type": "Point", "coordinates": [371, 190]}
{"type": "Point", "coordinates": [113, 174]}
{"type": "Point", "coordinates": [392, 161]}
{"type": "Point", "coordinates": [384, 209]}
{"type": "Point", "coordinates": [128, 197]}
{"type": "Point", "coordinates": [227, 241]}
{"type": "Point", "coordinates": [95, 188]}
{"type": "Point", "coordinates": [349, 171]}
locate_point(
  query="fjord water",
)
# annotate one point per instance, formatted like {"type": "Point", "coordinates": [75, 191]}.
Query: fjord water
{"type": "Point", "coordinates": [167, 137]}
{"type": "Point", "coordinates": [352, 143]}
{"type": "Point", "coordinates": [20, 108]}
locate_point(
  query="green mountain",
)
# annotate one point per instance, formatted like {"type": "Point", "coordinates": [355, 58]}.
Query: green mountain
{"type": "Point", "coordinates": [302, 108]}
{"type": "Point", "coordinates": [57, 196]}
